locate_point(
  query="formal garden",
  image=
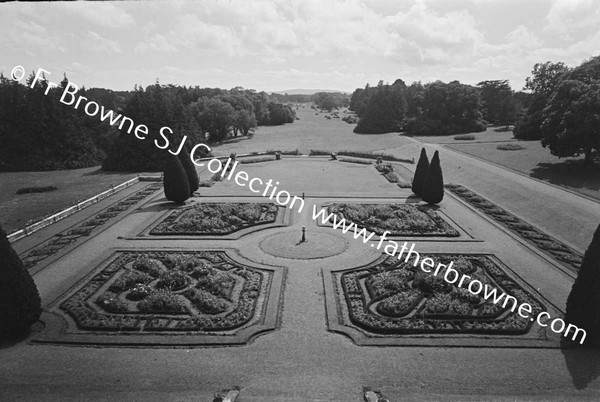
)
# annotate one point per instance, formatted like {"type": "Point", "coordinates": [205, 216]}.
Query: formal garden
{"type": "Point", "coordinates": [194, 275]}
{"type": "Point", "coordinates": [190, 259]}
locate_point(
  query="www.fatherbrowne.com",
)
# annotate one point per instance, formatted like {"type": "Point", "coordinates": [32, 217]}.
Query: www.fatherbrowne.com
{"type": "Point", "coordinates": [449, 274]}
{"type": "Point", "coordinates": [285, 199]}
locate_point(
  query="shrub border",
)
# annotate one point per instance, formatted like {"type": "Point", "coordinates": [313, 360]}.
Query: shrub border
{"type": "Point", "coordinates": [83, 229]}
{"type": "Point", "coordinates": [549, 245]}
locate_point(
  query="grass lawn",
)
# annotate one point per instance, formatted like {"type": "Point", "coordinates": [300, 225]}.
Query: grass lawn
{"type": "Point", "coordinates": [72, 186]}
{"type": "Point", "coordinates": [538, 162]}
{"type": "Point", "coordinates": [312, 131]}
{"type": "Point", "coordinates": [489, 135]}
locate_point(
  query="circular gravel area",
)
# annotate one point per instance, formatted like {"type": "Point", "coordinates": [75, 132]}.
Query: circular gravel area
{"type": "Point", "coordinates": [317, 245]}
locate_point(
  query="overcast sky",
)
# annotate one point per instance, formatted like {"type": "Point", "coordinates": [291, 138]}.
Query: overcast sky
{"type": "Point", "coordinates": [276, 45]}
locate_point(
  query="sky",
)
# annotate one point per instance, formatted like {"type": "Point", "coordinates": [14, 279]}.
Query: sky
{"type": "Point", "coordinates": [278, 45]}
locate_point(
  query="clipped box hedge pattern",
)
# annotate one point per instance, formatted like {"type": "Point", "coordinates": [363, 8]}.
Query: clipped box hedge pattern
{"type": "Point", "coordinates": [169, 291]}
{"type": "Point", "coordinates": [394, 297]}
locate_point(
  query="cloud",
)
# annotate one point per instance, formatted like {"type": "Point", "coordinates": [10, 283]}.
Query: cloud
{"type": "Point", "coordinates": [337, 42]}
{"type": "Point", "coordinates": [102, 14]}
{"type": "Point", "coordinates": [522, 38]}
{"type": "Point", "coordinates": [31, 37]}
{"type": "Point", "coordinates": [569, 17]}
{"type": "Point", "coordinates": [422, 36]}
{"type": "Point", "coordinates": [157, 43]}
{"type": "Point", "coordinates": [96, 42]}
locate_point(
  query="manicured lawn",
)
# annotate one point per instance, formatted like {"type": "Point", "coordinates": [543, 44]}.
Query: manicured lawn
{"type": "Point", "coordinates": [489, 135]}
{"type": "Point", "coordinates": [72, 186]}
{"type": "Point", "coordinates": [312, 132]}
{"type": "Point", "coordinates": [309, 132]}
{"type": "Point", "coordinates": [538, 162]}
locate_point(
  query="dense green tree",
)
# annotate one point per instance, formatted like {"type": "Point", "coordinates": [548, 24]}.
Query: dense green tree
{"type": "Point", "coordinates": [544, 80]}
{"type": "Point", "coordinates": [385, 110]}
{"type": "Point", "coordinates": [420, 173]}
{"type": "Point", "coordinates": [415, 95]}
{"type": "Point", "coordinates": [498, 102]}
{"type": "Point", "coordinates": [20, 304]}
{"type": "Point", "coordinates": [280, 114]}
{"type": "Point", "coordinates": [155, 107]}
{"type": "Point", "coordinates": [330, 100]}
{"type": "Point", "coordinates": [190, 170]}
{"type": "Point", "coordinates": [583, 303]}
{"type": "Point", "coordinates": [444, 109]}
{"type": "Point", "coordinates": [571, 118]}
{"type": "Point", "coordinates": [433, 186]}
{"type": "Point", "coordinates": [290, 98]}
{"type": "Point", "coordinates": [38, 132]}
{"type": "Point", "coordinates": [245, 122]}
{"type": "Point", "coordinates": [325, 101]}
{"type": "Point", "coordinates": [571, 124]}
{"type": "Point", "coordinates": [260, 100]}
{"type": "Point", "coordinates": [216, 118]}
{"type": "Point", "coordinates": [360, 99]}
{"type": "Point", "coordinates": [244, 119]}
{"type": "Point", "coordinates": [545, 77]}
{"type": "Point", "coordinates": [176, 182]}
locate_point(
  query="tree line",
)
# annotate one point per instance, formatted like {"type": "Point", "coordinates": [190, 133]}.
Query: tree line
{"type": "Point", "coordinates": [565, 109]}
{"type": "Point", "coordinates": [559, 106]}
{"type": "Point", "coordinates": [37, 132]}
{"type": "Point", "coordinates": [322, 100]}
{"type": "Point", "coordinates": [435, 108]}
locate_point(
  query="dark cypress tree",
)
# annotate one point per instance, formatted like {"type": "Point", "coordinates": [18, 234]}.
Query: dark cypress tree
{"type": "Point", "coordinates": [20, 304]}
{"type": "Point", "coordinates": [175, 180]}
{"type": "Point", "coordinates": [420, 173]}
{"type": "Point", "coordinates": [433, 186]}
{"type": "Point", "coordinates": [583, 303]}
{"type": "Point", "coordinates": [190, 170]}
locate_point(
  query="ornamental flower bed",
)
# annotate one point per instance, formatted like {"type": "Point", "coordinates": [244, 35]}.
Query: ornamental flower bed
{"type": "Point", "coordinates": [216, 219]}
{"type": "Point", "coordinates": [166, 291]}
{"type": "Point", "coordinates": [394, 297]}
{"type": "Point", "coordinates": [397, 219]}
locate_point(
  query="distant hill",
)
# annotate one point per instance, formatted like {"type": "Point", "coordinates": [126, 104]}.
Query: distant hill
{"type": "Point", "coordinates": [306, 91]}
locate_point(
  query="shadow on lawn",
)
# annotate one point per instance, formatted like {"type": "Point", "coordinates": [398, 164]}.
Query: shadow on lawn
{"type": "Point", "coordinates": [569, 173]}
{"type": "Point", "coordinates": [583, 363]}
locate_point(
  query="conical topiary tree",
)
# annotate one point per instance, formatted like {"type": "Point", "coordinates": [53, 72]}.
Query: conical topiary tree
{"type": "Point", "coordinates": [420, 173]}
{"type": "Point", "coordinates": [583, 303]}
{"type": "Point", "coordinates": [433, 186]}
{"type": "Point", "coordinates": [190, 170]}
{"type": "Point", "coordinates": [20, 304]}
{"type": "Point", "coordinates": [175, 180]}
